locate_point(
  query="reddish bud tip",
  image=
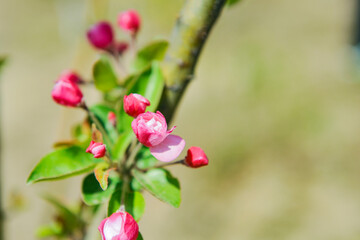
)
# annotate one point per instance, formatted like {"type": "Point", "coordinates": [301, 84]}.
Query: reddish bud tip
{"type": "Point", "coordinates": [97, 149]}
{"type": "Point", "coordinates": [129, 21]}
{"type": "Point", "coordinates": [135, 104]}
{"type": "Point", "coordinates": [196, 158]}
{"type": "Point", "coordinates": [121, 47]}
{"type": "Point", "coordinates": [112, 118]}
{"type": "Point", "coordinates": [71, 76]}
{"type": "Point", "coordinates": [100, 35]}
{"type": "Point", "coordinates": [66, 93]}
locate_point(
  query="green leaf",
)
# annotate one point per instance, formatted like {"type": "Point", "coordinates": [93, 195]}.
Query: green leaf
{"type": "Point", "coordinates": [61, 163]}
{"type": "Point", "coordinates": [232, 2]}
{"type": "Point", "coordinates": [122, 144]}
{"type": "Point", "coordinates": [139, 237]}
{"type": "Point", "coordinates": [102, 172]}
{"type": "Point", "coordinates": [104, 76]}
{"type": "Point", "coordinates": [145, 159]}
{"type": "Point", "coordinates": [153, 51]}
{"type": "Point", "coordinates": [50, 230]}
{"type": "Point", "coordinates": [161, 184]}
{"type": "Point", "coordinates": [93, 194]}
{"type": "Point", "coordinates": [149, 84]}
{"type": "Point", "coordinates": [134, 204]}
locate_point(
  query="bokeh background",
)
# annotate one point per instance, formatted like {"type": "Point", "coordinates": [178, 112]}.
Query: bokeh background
{"type": "Point", "coordinates": [275, 104]}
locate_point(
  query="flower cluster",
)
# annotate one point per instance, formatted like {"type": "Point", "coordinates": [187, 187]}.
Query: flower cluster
{"type": "Point", "coordinates": [101, 34]}
{"type": "Point", "coordinates": [150, 128]}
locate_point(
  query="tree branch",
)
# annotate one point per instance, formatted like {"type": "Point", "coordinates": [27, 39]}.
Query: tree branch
{"type": "Point", "coordinates": [188, 38]}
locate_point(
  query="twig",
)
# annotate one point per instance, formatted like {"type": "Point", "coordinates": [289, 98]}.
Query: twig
{"type": "Point", "coordinates": [188, 38]}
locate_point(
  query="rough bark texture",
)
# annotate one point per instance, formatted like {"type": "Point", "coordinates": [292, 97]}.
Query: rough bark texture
{"type": "Point", "coordinates": [188, 38]}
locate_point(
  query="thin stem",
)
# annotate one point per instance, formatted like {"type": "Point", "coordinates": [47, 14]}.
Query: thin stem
{"type": "Point", "coordinates": [2, 212]}
{"type": "Point", "coordinates": [97, 123]}
{"type": "Point", "coordinates": [134, 152]}
{"type": "Point", "coordinates": [162, 165]}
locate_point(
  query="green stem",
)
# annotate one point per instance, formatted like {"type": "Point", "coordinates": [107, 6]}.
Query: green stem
{"type": "Point", "coordinates": [2, 212]}
{"type": "Point", "coordinates": [162, 165]}
{"type": "Point", "coordinates": [188, 38]}
{"type": "Point", "coordinates": [97, 123]}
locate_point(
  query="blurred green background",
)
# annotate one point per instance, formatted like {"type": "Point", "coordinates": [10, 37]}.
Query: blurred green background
{"type": "Point", "coordinates": [275, 104]}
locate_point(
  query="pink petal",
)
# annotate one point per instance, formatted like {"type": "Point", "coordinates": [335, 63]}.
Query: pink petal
{"type": "Point", "coordinates": [169, 149]}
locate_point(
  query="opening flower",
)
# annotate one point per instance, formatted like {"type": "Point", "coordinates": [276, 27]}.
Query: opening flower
{"type": "Point", "coordinates": [151, 130]}
{"type": "Point", "coordinates": [97, 149]}
{"type": "Point", "coordinates": [119, 226]}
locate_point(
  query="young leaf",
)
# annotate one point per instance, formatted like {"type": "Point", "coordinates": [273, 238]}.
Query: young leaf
{"type": "Point", "coordinates": [134, 204]}
{"type": "Point", "coordinates": [160, 184]}
{"type": "Point", "coordinates": [50, 230]}
{"type": "Point", "coordinates": [139, 237]}
{"type": "Point", "coordinates": [101, 172]}
{"type": "Point", "coordinates": [93, 194]}
{"type": "Point", "coordinates": [154, 51]}
{"type": "Point", "coordinates": [61, 163]}
{"type": "Point", "coordinates": [104, 76]}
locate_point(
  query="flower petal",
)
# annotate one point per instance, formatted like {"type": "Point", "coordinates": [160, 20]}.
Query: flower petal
{"type": "Point", "coordinates": [169, 149]}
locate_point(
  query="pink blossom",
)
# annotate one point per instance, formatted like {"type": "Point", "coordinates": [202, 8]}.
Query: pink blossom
{"type": "Point", "coordinates": [129, 21]}
{"type": "Point", "coordinates": [97, 149]}
{"type": "Point", "coordinates": [119, 226]}
{"type": "Point", "coordinates": [151, 130]}
{"type": "Point", "coordinates": [135, 104]}
{"type": "Point", "coordinates": [66, 93]}
{"type": "Point", "coordinates": [100, 35]}
{"type": "Point", "coordinates": [196, 158]}
{"type": "Point", "coordinates": [112, 118]}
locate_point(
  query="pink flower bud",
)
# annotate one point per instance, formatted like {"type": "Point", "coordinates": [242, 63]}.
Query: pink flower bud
{"type": "Point", "coordinates": [66, 93]}
{"type": "Point", "coordinates": [129, 21]}
{"type": "Point", "coordinates": [112, 118]}
{"type": "Point", "coordinates": [100, 35]}
{"type": "Point", "coordinates": [196, 158]}
{"type": "Point", "coordinates": [71, 76]}
{"type": "Point", "coordinates": [119, 226]}
{"type": "Point", "coordinates": [151, 130]}
{"type": "Point", "coordinates": [135, 104]}
{"type": "Point", "coordinates": [97, 149]}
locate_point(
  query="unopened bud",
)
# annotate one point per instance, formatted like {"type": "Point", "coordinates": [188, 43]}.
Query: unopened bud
{"type": "Point", "coordinates": [196, 158]}
{"type": "Point", "coordinates": [129, 21]}
{"type": "Point", "coordinates": [100, 35]}
{"type": "Point", "coordinates": [135, 104]}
